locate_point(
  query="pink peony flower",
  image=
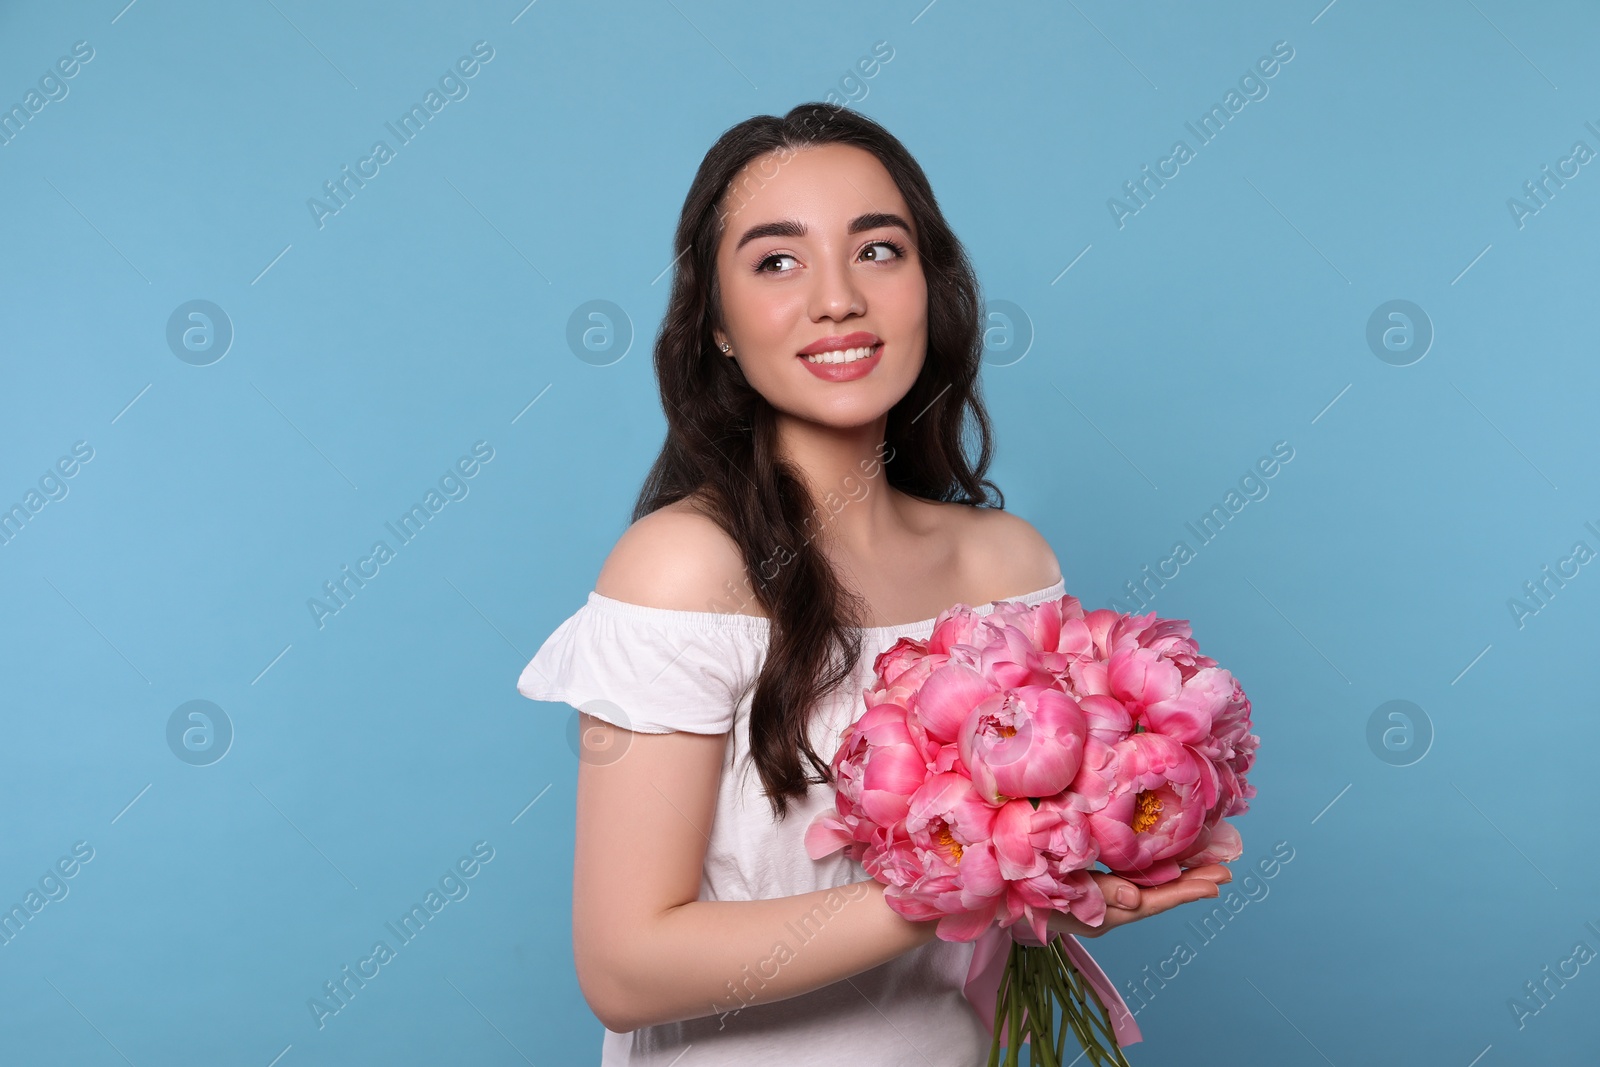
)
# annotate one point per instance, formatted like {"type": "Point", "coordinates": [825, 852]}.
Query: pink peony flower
{"type": "Point", "coordinates": [999, 760]}
{"type": "Point", "coordinates": [950, 857]}
{"type": "Point", "coordinates": [891, 765]}
{"type": "Point", "coordinates": [1024, 742]}
{"type": "Point", "coordinates": [904, 655]}
{"type": "Point", "coordinates": [1145, 803]}
{"type": "Point", "coordinates": [1044, 854]}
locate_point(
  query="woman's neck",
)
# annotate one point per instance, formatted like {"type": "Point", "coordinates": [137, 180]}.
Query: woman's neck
{"type": "Point", "coordinates": [856, 509]}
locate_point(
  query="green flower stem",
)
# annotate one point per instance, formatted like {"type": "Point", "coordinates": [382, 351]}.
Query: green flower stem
{"type": "Point", "coordinates": [1076, 1011]}
{"type": "Point", "coordinates": [1013, 1010]}
{"type": "Point", "coordinates": [1044, 1036]}
{"type": "Point", "coordinates": [1037, 980]}
{"type": "Point", "coordinates": [1106, 1049]}
{"type": "Point", "coordinates": [1064, 1028]}
{"type": "Point", "coordinates": [1038, 1056]}
{"type": "Point", "coordinates": [1073, 1015]}
{"type": "Point", "coordinates": [999, 1015]}
{"type": "Point", "coordinates": [1061, 976]}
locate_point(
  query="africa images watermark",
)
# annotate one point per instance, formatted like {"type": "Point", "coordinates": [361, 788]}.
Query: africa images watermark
{"type": "Point", "coordinates": [1540, 994]}
{"type": "Point", "coordinates": [52, 887]}
{"type": "Point", "coordinates": [53, 87]}
{"type": "Point", "coordinates": [1541, 190]}
{"type": "Point", "coordinates": [1252, 486]}
{"type": "Point", "coordinates": [452, 84]}
{"type": "Point", "coordinates": [1543, 589]}
{"type": "Point", "coordinates": [453, 484]}
{"type": "Point", "coordinates": [826, 510]}
{"type": "Point", "coordinates": [339, 991]}
{"type": "Point", "coordinates": [1228, 906]}
{"type": "Point", "coordinates": [804, 930]}
{"type": "Point", "coordinates": [52, 487]}
{"type": "Point", "coordinates": [1253, 84]}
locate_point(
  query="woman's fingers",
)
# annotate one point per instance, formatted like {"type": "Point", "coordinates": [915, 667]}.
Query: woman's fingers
{"type": "Point", "coordinates": [1156, 899]}
{"type": "Point", "coordinates": [1179, 891]}
{"type": "Point", "coordinates": [1214, 872]}
{"type": "Point", "coordinates": [1119, 892]}
{"type": "Point", "coordinates": [1197, 883]}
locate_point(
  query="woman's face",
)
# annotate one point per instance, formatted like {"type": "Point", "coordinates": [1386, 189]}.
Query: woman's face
{"type": "Point", "coordinates": [817, 251]}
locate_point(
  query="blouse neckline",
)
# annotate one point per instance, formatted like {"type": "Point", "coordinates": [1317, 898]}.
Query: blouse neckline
{"type": "Point", "coordinates": [759, 623]}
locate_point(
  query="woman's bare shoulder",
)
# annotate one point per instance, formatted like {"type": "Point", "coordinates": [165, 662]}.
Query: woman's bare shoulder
{"type": "Point", "coordinates": [677, 557]}
{"type": "Point", "coordinates": [1011, 555]}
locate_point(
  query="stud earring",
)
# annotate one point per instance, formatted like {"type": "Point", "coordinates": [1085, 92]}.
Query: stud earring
{"type": "Point", "coordinates": [725, 347]}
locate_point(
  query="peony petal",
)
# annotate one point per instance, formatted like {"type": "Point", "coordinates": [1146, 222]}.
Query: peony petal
{"type": "Point", "coordinates": [1013, 845]}
{"type": "Point", "coordinates": [826, 835]}
{"type": "Point", "coordinates": [946, 698]}
{"type": "Point", "coordinates": [1140, 678]}
{"type": "Point", "coordinates": [964, 926]}
{"type": "Point", "coordinates": [1221, 844]}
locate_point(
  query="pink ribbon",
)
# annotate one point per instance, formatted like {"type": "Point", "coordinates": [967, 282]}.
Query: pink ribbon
{"type": "Point", "coordinates": [988, 967]}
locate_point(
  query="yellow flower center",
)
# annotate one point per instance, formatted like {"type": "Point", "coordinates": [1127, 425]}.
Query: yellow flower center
{"type": "Point", "coordinates": [950, 844]}
{"type": "Point", "coordinates": [1147, 809]}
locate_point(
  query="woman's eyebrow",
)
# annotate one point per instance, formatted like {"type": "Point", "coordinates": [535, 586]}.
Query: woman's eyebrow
{"type": "Point", "coordinates": [872, 220]}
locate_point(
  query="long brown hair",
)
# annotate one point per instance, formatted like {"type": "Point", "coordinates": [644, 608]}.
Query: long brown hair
{"type": "Point", "coordinates": [722, 442]}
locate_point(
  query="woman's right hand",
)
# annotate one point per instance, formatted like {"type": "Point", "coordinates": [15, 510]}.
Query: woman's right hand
{"type": "Point", "coordinates": [1197, 883]}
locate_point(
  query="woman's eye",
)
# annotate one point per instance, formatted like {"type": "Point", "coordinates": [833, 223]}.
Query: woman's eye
{"type": "Point", "coordinates": [762, 266]}
{"type": "Point", "coordinates": [875, 248]}
{"type": "Point", "coordinates": [894, 249]}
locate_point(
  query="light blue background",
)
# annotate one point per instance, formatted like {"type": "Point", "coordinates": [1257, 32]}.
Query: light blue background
{"type": "Point", "coordinates": [1228, 314]}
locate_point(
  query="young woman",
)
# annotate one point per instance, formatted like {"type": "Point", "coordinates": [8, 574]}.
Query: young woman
{"type": "Point", "coordinates": [814, 501]}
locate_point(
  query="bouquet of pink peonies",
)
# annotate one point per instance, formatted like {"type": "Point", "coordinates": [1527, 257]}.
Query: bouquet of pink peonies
{"type": "Point", "coordinates": [999, 760]}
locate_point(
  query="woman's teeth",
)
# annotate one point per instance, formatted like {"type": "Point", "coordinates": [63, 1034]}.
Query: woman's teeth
{"type": "Point", "coordinates": [842, 355]}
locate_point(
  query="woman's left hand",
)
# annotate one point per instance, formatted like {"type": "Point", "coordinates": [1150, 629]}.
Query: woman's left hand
{"type": "Point", "coordinates": [1128, 902]}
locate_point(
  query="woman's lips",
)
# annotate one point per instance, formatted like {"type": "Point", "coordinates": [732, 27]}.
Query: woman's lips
{"type": "Point", "coordinates": [844, 372]}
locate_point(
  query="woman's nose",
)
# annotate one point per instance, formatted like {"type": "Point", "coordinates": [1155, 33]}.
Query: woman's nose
{"type": "Point", "coordinates": [836, 294]}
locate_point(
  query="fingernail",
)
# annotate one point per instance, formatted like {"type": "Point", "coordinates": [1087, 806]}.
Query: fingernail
{"type": "Point", "coordinates": [1126, 896]}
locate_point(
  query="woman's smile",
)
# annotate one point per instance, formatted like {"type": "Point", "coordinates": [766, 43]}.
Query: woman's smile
{"type": "Point", "coordinates": [843, 359]}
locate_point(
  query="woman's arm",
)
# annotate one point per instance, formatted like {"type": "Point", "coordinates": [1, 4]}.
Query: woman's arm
{"type": "Point", "coordinates": [647, 950]}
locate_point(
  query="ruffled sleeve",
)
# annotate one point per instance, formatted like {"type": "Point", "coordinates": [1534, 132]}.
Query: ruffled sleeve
{"type": "Point", "coordinates": [649, 670]}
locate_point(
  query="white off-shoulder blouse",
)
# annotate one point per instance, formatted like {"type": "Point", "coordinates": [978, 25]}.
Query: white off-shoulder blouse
{"type": "Point", "coordinates": [656, 670]}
